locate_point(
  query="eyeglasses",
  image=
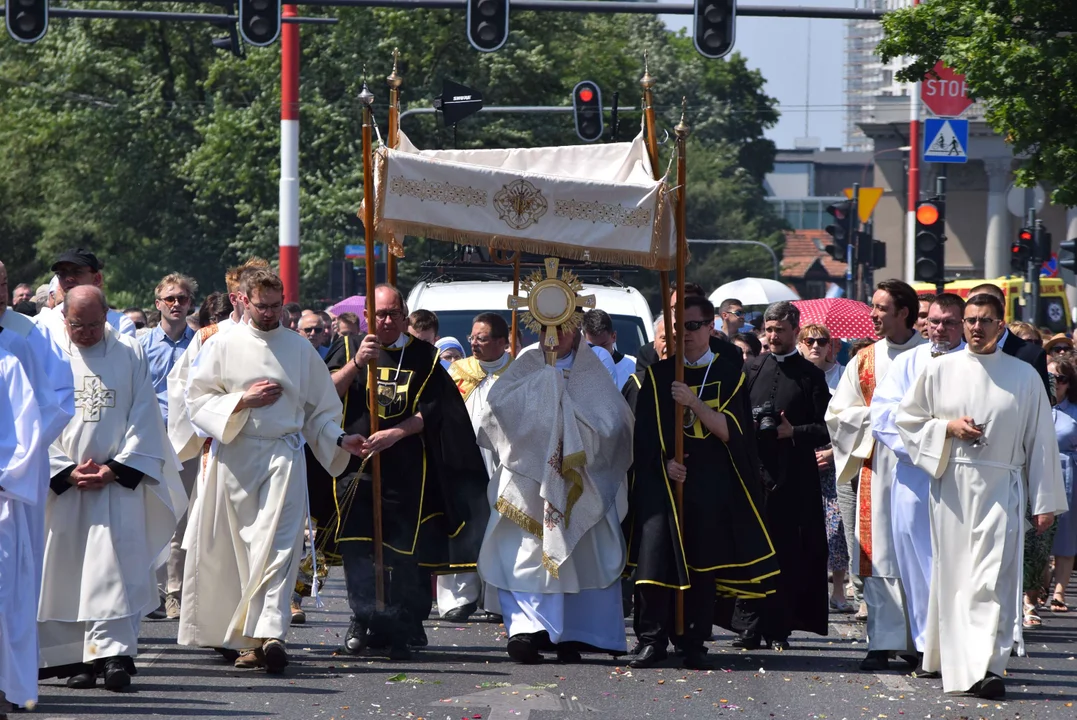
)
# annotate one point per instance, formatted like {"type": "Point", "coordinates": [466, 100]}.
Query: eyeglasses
{"type": "Point", "coordinates": [312, 330]}
{"type": "Point", "coordinates": [693, 325]}
{"type": "Point", "coordinates": [974, 321]}
{"type": "Point", "coordinates": [820, 341]}
{"type": "Point", "coordinates": [386, 314]}
{"type": "Point", "coordinates": [479, 339]}
{"type": "Point", "coordinates": [86, 326]}
{"type": "Point", "coordinates": [951, 323]}
{"type": "Point", "coordinates": [175, 299]}
{"type": "Point", "coordinates": [263, 307]}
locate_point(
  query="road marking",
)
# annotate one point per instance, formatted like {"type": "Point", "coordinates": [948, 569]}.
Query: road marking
{"type": "Point", "coordinates": [516, 702]}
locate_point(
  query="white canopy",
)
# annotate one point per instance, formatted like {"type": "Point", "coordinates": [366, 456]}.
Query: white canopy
{"type": "Point", "coordinates": [587, 202]}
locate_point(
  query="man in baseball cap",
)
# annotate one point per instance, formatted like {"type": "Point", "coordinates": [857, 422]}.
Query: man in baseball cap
{"type": "Point", "coordinates": [75, 267]}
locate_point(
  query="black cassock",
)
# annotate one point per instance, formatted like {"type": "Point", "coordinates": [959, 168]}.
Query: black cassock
{"type": "Point", "coordinates": [434, 506]}
{"type": "Point", "coordinates": [721, 540]}
{"type": "Point", "coordinates": [793, 497]}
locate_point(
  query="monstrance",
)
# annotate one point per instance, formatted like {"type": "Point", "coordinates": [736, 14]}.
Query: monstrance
{"type": "Point", "coordinates": [552, 304]}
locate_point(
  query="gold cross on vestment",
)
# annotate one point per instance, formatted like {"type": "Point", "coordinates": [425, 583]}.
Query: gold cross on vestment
{"type": "Point", "coordinates": [92, 397]}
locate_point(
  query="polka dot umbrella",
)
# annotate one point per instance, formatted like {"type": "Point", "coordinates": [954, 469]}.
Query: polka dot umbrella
{"type": "Point", "coordinates": [844, 318]}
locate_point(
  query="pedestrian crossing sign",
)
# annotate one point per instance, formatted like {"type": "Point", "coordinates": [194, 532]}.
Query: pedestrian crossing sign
{"type": "Point", "coordinates": [946, 140]}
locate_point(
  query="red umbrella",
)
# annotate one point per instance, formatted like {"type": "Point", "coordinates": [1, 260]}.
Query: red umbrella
{"type": "Point", "coordinates": [844, 318]}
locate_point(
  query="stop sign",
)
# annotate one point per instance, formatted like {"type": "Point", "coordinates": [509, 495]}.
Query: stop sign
{"type": "Point", "coordinates": [944, 93]}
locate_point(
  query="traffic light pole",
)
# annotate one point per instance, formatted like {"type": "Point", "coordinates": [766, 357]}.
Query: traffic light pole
{"type": "Point", "coordinates": [850, 249]}
{"type": "Point", "coordinates": [1032, 276]}
{"type": "Point", "coordinates": [940, 193]}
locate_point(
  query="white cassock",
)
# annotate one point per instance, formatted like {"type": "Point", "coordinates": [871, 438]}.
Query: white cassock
{"type": "Point", "coordinates": [848, 417]}
{"type": "Point", "coordinates": [188, 441]}
{"type": "Point", "coordinates": [103, 547]}
{"type": "Point", "coordinates": [582, 603]}
{"type": "Point", "coordinates": [22, 523]}
{"type": "Point", "coordinates": [20, 489]}
{"type": "Point", "coordinates": [459, 589]}
{"type": "Point", "coordinates": [909, 514]}
{"type": "Point", "coordinates": [244, 537]}
{"type": "Point", "coordinates": [626, 368]}
{"type": "Point", "coordinates": [53, 319]}
{"type": "Point", "coordinates": [977, 503]}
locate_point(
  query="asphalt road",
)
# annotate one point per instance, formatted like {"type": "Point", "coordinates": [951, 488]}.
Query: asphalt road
{"type": "Point", "coordinates": [466, 674]}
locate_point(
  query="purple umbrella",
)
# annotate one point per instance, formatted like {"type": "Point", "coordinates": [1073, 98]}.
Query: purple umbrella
{"type": "Point", "coordinates": [354, 304]}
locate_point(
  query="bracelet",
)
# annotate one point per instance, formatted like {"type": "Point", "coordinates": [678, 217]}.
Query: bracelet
{"type": "Point", "coordinates": [355, 362]}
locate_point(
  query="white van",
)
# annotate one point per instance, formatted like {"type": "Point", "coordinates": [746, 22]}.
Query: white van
{"type": "Point", "coordinates": [457, 302]}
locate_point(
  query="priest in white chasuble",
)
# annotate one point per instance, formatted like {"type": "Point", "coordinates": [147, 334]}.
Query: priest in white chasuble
{"type": "Point", "coordinates": [20, 488]}
{"type": "Point", "coordinates": [459, 595]}
{"type": "Point", "coordinates": [554, 547]}
{"type": "Point", "coordinates": [980, 424]}
{"type": "Point", "coordinates": [910, 516]}
{"type": "Point", "coordinates": [858, 459]}
{"type": "Point", "coordinates": [116, 497]}
{"type": "Point", "coordinates": [259, 391]}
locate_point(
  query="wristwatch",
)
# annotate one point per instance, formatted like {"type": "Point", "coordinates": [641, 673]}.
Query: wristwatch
{"type": "Point", "coordinates": [340, 440]}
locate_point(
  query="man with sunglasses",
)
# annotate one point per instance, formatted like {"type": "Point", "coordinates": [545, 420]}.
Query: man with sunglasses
{"type": "Point", "coordinates": [978, 424]}
{"type": "Point", "coordinates": [732, 312]}
{"type": "Point", "coordinates": [164, 345]}
{"type": "Point", "coordinates": [434, 507]}
{"type": "Point", "coordinates": [910, 516]}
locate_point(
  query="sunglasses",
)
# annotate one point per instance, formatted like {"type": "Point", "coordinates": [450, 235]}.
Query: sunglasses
{"type": "Point", "coordinates": [821, 342]}
{"type": "Point", "coordinates": [1059, 378]}
{"type": "Point", "coordinates": [174, 299]}
{"type": "Point", "coordinates": [738, 313]}
{"type": "Point", "coordinates": [1060, 349]}
{"type": "Point", "coordinates": [693, 325]}
{"type": "Point", "coordinates": [313, 330]}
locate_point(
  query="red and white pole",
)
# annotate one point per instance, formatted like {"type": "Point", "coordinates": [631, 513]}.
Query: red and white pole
{"type": "Point", "coordinates": [914, 180]}
{"type": "Point", "coordinates": [289, 155]}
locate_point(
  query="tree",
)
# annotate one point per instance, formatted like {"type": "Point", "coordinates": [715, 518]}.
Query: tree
{"type": "Point", "coordinates": [142, 141]}
{"type": "Point", "coordinates": [1019, 58]}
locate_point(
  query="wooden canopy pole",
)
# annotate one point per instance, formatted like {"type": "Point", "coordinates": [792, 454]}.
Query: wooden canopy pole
{"type": "Point", "coordinates": [681, 131]}
{"type": "Point", "coordinates": [515, 292]}
{"type": "Point", "coordinates": [647, 82]}
{"type": "Point", "coordinates": [367, 100]}
{"type": "Point", "coordinates": [394, 81]}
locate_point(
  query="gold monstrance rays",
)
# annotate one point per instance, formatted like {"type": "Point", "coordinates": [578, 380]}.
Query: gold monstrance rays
{"type": "Point", "coordinates": [552, 302]}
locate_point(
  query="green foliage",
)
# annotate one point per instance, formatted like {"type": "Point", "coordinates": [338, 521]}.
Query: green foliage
{"type": "Point", "coordinates": [161, 153]}
{"type": "Point", "coordinates": [1020, 60]}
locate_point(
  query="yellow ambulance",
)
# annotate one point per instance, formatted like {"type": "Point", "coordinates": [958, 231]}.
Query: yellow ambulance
{"type": "Point", "coordinates": [1054, 307]}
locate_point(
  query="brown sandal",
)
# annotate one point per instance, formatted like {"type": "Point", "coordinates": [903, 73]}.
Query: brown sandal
{"type": "Point", "coordinates": [1059, 606]}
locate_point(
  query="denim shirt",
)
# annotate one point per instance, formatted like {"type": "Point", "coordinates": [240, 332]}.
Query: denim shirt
{"type": "Point", "coordinates": [161, 354]}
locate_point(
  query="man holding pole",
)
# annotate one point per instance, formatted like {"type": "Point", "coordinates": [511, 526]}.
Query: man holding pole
{"type": "Point", "coordinates": [692, 553]}
{"type": "Point", "coordinates": [433, 508]}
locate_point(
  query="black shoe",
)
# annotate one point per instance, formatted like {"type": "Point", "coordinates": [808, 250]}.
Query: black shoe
{"type": "Point", "coordinates": [461, 614]}
{"type": "Point", "coordinates": [696, 660]}
{"type": "Point", "coordinates": [418, 638]}
{"type": "Point", "coordinates": [648, 656]}
{"type": "Point", "coordinates": [875, 661]}
{"type": "Point", "coordinates": [399, 653]}
{"type": "Point", "coordinates": [158, 614]}
{"type": "Point", "coordinates": [228, 654]}
{"type": "Point", "coordinates": [356, 639]}
{"type": "Point", "coordinates": [276, 656]}
{"type": "Point", "coordinates": [523, 650]}
{"type": "Point", "coordinates": [748, 642]}
{"type": "Point", "coordinates": [990, 688]}
{"type": "Point", "coordinates": [489, 617]}
{"type": "Point", "coordinates": [568, 655]}
{"type": "Point", "coordinates": [84, 680]}
{"type": "Point", "coordinates": [778, 645]}
{"type": "Point", "coordinates": [636, 649]}
{"type": "Point", "coordinates": [920, 674]}
{"type": "Point", "coordinates": [116, 675]}
{"type": "Point", "coordinates": [913, 660]}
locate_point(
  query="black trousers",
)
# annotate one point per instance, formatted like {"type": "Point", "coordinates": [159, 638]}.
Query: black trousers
{"type": "Point", "coordinates": [407, 596]}
{"type": "Point", "coordinates": [763, 618]}
{"type": "Point", "coordinates": [654, 618]}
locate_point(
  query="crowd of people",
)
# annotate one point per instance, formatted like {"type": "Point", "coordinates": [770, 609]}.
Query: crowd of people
{"type": "Point", "coordinates": [204, 464]}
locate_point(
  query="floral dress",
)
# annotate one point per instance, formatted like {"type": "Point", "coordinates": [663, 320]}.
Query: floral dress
{"type": "Point", "coordinates": [835, 526]}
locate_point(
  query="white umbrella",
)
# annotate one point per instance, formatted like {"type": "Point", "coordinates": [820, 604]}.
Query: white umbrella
{"type": "Point", "coordinates": [754, 291]}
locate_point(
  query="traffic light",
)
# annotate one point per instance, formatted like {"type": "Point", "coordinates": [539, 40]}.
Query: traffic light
{"type": "Point", "coordinates": [930, 241]}
{"type": "Point", "coordinates": [1067, 261]}
{"type": "Point", "coordinates": [259, 21]}
{"type": "Point", "coordinates": [715, 27]}
{"type": "Point", "coordinates": [1021, 251]}
{"type": "Point", "coordinates": [27, 20]}
{"type": "Point", "coordinates": [841, 230]}
{"type": "Point", "coordinates": [487, 24]}
{"type": "Point", "coordinates": [587, 109]}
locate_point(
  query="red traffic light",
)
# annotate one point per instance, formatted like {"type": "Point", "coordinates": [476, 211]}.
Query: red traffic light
{"type": "Point", "coordinates": [1025, 236]}
{"type": "Point", "coordinates": [927, 214]}
{"type": "Point", "coordinates": [587, 95]}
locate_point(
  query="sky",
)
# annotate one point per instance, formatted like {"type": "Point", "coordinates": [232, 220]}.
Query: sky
{"type": "Point", "coordinates": [807, 85]}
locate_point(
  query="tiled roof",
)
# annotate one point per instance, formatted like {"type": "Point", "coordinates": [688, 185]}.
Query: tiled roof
{"type": "Point", "coordinates": [801, 253]}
